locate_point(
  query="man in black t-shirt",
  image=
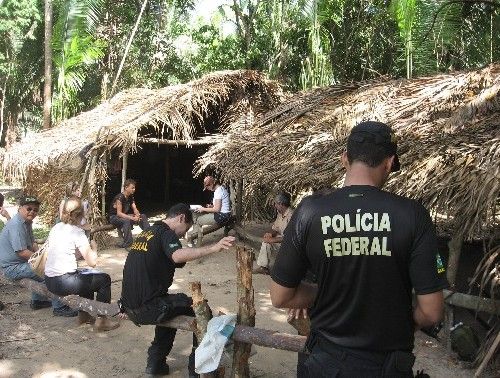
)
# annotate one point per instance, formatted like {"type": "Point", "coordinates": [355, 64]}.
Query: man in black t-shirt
{"type": "Point", "coordinates": [369, 249]}
{"type": "Point", "coordinates": [149, 272]}
{"type": "Point", "coordinates": [123, 213]}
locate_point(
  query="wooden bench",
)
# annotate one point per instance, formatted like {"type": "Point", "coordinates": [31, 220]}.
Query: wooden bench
{"type": "Point", "coordinates": [205, 230]}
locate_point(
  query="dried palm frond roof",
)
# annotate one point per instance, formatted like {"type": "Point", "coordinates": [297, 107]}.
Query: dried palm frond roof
{"type": "Point", "coordinates": [448, 127]}
{"type": "Point", "coordinates": [175, 112]}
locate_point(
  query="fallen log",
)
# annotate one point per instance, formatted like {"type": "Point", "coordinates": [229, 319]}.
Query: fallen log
{"type": "Point", "coordinates": [102, 227]}
{"type": "Point", "coordinates": [472, 302]}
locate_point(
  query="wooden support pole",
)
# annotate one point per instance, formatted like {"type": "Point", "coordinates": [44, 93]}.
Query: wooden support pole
{"type": "Point", "coordinates": [246, 309]}
{"type": "Point", "coordinates": [454, 248]}
{"type": "Point", "coordinates": [85, 175]}
{"type": "Point", "coordinates": [124, 166]}
{"type": "Point", "coordinates": [239, 201]}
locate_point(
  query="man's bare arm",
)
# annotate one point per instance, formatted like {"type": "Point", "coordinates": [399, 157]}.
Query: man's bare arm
{"type": "Point", "coordinates": [189, 254]}
{"type": "Point", "coordinates": [302, 296]}
{"type": "Point", "coordinates": [25, 254]}
{"type": "Point", "coordinates": [429, 309]}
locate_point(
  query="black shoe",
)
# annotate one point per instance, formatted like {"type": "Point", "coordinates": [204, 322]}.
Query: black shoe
{"type": "Point", "coordinates": [65, 311]}
{"type": "Point", "coordinates": [157, 367]}
{"type": "Point", "coordinates": [37, 305]}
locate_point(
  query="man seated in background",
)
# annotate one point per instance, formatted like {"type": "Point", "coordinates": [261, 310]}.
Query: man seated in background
{"type": "Point", "coordinates": [17, 244]}
{"type": "Point", "coordinates": [124, 214]}
{"type": "Point", "coordinates": [271, 241]}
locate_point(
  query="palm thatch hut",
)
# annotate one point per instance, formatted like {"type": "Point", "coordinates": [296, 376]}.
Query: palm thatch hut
{"type": "Point", "coordinates": [449, 135]}
{"type": "Point", "coordinates": [151, 135]}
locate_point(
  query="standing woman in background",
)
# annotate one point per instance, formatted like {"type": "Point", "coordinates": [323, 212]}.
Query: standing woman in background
{"type": "Point", "coordinates": [66, 240]}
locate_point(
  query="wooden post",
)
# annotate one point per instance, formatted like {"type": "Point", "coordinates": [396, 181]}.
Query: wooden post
{"type": "Point", "coordinates": [201, 309]}
{"type": "Point", "coordinates": [103, 198]}
{"type": "Point", "coordinates": [203, 315]}
{"type": "Point", "coordinates": [239, 201]}
{"type": "Point", "coordinates": [246, 309]}
{"type": "Point", "coordinates": [124, 166]}
{"type": "Point", "coordinates": [455, 248]}
{"type": "Point", "coordinates": [85, 175]}
{"type": "Point", "coordinates": [166, 199]}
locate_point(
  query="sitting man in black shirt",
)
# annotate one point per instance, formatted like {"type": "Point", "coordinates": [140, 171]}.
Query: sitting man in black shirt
{"type": "Point", "coordinates": [368, 249]}
{"type": "Point", "coordinates": [123, 213]}
{"type": "Point", "coordinates": [149, 272]}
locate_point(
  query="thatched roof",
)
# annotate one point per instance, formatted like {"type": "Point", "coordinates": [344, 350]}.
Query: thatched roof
{"type": "Point", "coordinates": [448, 127]}
{"type": "Point", "coordinates": [176, 112]}
{"type": "Point", "coordinates": [46, 161]}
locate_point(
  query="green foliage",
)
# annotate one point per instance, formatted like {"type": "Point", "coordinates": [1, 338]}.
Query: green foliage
{"type": "Point", "coordinates": [301, 43]}
{"type": "Point", "coordinates": [41, 233]}
{"type": "Point", "coordinates": [76, 50]}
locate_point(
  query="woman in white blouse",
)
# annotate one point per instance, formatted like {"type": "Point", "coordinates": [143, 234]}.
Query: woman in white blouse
{"type": "Point", "coordinates": [65, 241]}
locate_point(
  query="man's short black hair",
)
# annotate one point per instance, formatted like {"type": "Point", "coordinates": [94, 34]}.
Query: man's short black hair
{"type": "Point", "coordinates": [370, 142]}
{"type": "Point", "coordinates": [181, 208]}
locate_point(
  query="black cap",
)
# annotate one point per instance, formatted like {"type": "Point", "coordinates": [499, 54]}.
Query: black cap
{"type": "Point", "coordinates": [28, 199]}
{"type": "Point", "coordinates": [372, 132]}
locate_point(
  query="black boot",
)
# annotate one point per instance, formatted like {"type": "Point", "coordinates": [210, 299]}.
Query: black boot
{"type": "Point", "coordinates": [157, 366]}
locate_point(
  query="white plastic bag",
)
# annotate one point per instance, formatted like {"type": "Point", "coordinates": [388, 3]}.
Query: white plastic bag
{"type": "Point", "coordinates": [209, 352]}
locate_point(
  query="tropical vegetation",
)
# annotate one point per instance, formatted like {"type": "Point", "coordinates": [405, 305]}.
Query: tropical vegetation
{"type": "Point", "coordinates": [100, 47]}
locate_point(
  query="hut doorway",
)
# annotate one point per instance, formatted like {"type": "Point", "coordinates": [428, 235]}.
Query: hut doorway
{"type": "Point", "coordinates": [164, 176]}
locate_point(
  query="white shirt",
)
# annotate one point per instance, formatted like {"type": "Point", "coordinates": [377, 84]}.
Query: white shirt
{"type": "Point", "coordinates": [222, 194]}
{"type": "Point", "coordinates": [63, 241]}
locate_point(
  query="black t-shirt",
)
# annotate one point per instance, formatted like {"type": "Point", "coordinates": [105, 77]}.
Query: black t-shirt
{"type": "Point", "coordinates": [126, 204]}
{"type": "Point", "coordinates": [368, 249]}
{"type": "Point", "coordinates": [149, 268]}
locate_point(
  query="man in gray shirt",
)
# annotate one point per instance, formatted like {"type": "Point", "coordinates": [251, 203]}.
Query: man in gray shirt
{"type": "Point", "coordinates": [17, 244]}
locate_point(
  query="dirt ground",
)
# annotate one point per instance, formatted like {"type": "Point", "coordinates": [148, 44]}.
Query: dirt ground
{"type": "Point", "coordinates": [37, 344]}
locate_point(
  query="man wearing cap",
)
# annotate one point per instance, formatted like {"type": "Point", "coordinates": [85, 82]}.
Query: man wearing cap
{"type": "Point", "coordinates": [271, 241]}
{"type": "Point", "coordinates": [17, 244]}
{"type": "Point", "coordinates": [217, 213]}
{"type": "Point", "coordinates": [369, 249]}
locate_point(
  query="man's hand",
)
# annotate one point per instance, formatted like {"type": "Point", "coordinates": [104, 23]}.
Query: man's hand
{"type": "Point", "coordinates": [224, 243]}
{"type": "Point", "coordinates": [4, 213]}
{"type": "Point", "coordinates": [267, 237]}
{"type": "Point", "coordinates": [296, 313]}
{"type": "Point", "coordinates": [135, 218]}
{"type": "Point", "coordinates": [199, 210]}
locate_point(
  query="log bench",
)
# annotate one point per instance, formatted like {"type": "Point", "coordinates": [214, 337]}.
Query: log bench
{"type": "Point", "coordinates": [245, 334]}
{"type": "Point", "coordinates": [205, 230]}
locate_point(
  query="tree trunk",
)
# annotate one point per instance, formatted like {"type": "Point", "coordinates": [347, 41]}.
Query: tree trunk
{"type": "Point", "coordinates": [246, 309]}
{"type": "Point", "coordinates": [47, 86]}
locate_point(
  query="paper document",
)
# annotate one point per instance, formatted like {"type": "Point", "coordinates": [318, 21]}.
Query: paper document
{"type": "Point", "coordinates": [194, 207]}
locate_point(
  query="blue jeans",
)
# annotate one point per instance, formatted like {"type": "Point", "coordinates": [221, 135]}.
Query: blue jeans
{"type": "Point", "coordinates": [23, 270]}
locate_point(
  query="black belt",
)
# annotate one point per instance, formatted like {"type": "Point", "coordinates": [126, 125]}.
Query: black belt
{"type": "Point", "coordinates": [339, 351]}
